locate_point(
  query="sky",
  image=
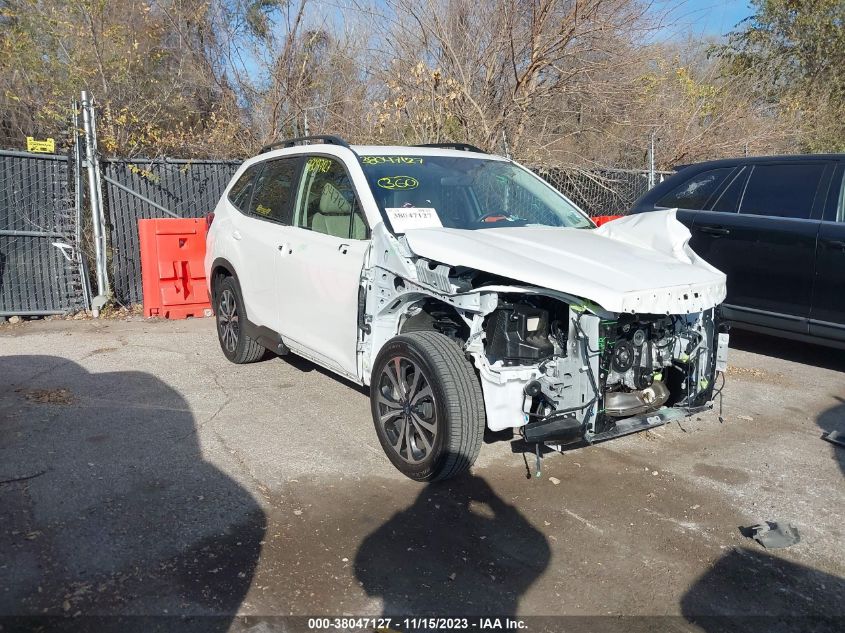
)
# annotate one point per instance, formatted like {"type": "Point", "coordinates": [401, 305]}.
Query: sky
{"type": "Point", "coordinates": [703, 17]}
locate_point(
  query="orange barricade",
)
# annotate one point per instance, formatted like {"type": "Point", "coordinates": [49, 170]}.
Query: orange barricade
{"type": "Point", "coordinates": [604, 219]}
{"type": "Point", "coordinates": [172, 274]}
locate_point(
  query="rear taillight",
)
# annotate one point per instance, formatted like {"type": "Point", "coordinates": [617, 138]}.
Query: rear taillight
{"type": "Point", "coordinates": [208, 220]}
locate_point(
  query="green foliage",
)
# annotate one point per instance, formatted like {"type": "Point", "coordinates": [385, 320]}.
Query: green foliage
{"type": "Point", "coordinates": [794, 53]}
{"type": "Point", "coordinates": [153, 89]}
{"type": "Point", "coordinates": [562, 82]}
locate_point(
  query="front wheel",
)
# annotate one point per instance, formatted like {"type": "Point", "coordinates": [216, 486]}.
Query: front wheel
{"type": "Point", "coordinates": [427, 406]}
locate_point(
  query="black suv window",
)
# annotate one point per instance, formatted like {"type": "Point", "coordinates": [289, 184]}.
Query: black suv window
{"type": "Point", "coordinates": [275, 191]}
{"type": "Point", "coordinates": [694, 193]}
{"type": "Point", "coordinates": [786, 190]}
{"type": "Point", "coordinates": [241, 191]}
{"type": "Point", "coordinates": [728, 201]}
{"type": "Point", "coordinates": [840, 214]}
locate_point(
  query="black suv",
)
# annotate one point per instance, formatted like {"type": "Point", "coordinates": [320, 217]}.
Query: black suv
{"type": "Point", "coordinates": [776, 226]}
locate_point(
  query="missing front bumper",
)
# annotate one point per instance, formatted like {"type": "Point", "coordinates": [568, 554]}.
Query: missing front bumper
{"type": "Point", "coordinates": [568, 430]}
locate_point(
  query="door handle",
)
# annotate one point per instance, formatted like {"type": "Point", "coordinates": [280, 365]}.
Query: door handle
{"type": "Point", "coordinates": [237, 235]}
{"type": "Point", "coordinates": [714, 230]}
{"type": "Point", "coordinates": [284, 249]}
{"type": "Point", "coordinates": [835, 244]}
{"type": "Point", "coordinates": [343, 248]}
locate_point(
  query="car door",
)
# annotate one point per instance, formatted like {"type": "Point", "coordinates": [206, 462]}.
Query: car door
{"type": "Point", "coordinates": [320, 274]}
{"type": "Point", "coordinates": [827, 318]}
{"type": "Point", "coordinates": [257, 235]}
{"type": "Point", "coordinates": [761, 232]}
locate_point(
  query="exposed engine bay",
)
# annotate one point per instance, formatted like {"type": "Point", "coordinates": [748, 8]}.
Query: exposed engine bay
{"type": "Point", "coordinates": [557, 366]}
{"type": "Point", "coordinates": [593, 372]}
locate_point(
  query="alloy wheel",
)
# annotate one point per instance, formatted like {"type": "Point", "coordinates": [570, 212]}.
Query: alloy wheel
{"type": "Point", "coordinates": [406, 409]}
{"type": "Point", "coordinates": [227, 320]}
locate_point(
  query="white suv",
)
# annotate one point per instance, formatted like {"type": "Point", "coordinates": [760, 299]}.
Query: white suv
{"type": "Point", "coordinates": [465, 291]}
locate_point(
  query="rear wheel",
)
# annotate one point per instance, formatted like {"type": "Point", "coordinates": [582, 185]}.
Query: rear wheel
{"type": "Point", "coordinates": [230, 314]}
{"type": "Point", "coordinates": [427, 406]}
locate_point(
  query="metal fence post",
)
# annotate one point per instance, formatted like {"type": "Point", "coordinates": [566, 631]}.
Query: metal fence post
{"type": "Point", "coordinates": [96, 202]}
{"type": "Point", "coordinates": [651, 169]}
{"type": "Point", "coordinates": [79, 202]}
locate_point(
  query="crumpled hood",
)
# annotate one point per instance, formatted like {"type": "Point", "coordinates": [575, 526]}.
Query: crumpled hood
{"type": "Point", "coordinates": [640, 263]}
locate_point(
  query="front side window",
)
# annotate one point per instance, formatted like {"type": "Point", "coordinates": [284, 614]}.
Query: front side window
{"type": "Point", "coordinates": [464, 193]}
{"type": "Point", "coordinates": [728, 201]}
{"type": "Point", "coordinates": [327, 202]}
{"type": "Point", "coordinates": [274, 190]}
{"type": "Point", "coordinates": [694, 193]}
{"type": "Point", "coordinates": [787, 190]}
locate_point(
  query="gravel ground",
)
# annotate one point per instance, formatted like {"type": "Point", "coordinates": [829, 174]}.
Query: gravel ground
{"type": "Point", "coordinates": [145, 475]}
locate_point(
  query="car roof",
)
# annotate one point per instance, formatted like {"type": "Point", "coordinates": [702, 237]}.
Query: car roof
{"type": "Point", "coordinates": [747, 160]}
{"type": "Point", "coordinates": [371, 150]}
{"type": "Point", "coordinates": [410, 150]}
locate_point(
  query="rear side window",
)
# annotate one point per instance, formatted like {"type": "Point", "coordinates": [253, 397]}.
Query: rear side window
{"type": "Point", "coordinates": [695, 192]}
{"type": "Point", "coordinates": [275, 190]}
{"type": "Point", "coordinates": [241, 191]}
{"type": "Point", "coordinates": [787, 190]}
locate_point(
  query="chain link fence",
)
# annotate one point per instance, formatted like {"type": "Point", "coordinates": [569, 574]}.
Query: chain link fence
{"type": "Point", "coordinates": [153, 188]}
{"type": "Point", "coordinates": [600, 191]}
{"type": "Point", "coordinates": [41, 268]}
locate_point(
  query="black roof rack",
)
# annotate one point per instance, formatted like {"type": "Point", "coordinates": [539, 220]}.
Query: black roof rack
{"type": "Point", "coordinates": [464, 147]}
{"type": "Point", "coordinates": [291, 142]}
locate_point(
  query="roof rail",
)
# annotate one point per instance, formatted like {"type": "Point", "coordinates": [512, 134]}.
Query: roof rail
{"type": "Point", "coordinates": [465, 147]}
{"type": "Point", "coordinates": [291, 142]}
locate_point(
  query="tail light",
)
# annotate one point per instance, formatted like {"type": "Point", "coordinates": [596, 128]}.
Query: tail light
{"type": "Point", "coordinates": [208, 220]}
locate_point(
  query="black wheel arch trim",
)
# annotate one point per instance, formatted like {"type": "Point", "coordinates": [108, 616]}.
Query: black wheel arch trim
{"type": "Point", "coordinates": [261, 334]}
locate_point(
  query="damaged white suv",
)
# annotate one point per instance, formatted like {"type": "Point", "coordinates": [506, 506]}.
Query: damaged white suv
{"type": "Point", "coordinates": [465, 291]}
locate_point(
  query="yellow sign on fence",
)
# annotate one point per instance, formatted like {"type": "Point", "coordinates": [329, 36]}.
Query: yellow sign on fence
{"type": "Point", "coordinates": [47, 146]}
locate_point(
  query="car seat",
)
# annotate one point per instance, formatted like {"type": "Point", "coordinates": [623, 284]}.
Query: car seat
{"type": "Point", "coordinates": [333, 215]}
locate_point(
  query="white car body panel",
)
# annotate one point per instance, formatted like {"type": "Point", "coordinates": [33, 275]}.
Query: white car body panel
{"type": "Point", "coordinates": [254, 244]}
{"type": "Point", "coordinates": [643, 264]}
{"type": "Point", "coordinates": [318, 276]}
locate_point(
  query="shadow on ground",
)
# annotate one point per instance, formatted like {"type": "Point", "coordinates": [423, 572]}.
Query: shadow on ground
{"type": "Point", "coordinates": [752, 591]}
{"type": "Point", "coordinates": [108, 507]}
{"type": "Point", "coordinates": [458, 549]}
{"type": "Point", "coordinates": [793, 351]}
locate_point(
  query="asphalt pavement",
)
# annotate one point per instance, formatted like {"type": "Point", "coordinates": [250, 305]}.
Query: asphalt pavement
{"type": "Point", "coordinates": [143, 474]}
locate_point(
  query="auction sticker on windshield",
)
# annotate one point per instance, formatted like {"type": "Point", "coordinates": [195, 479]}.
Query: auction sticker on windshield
{"type": "Point", "coordinates": [404, 218]}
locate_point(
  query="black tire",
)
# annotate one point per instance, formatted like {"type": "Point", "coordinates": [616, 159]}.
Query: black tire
{"type": "Point", "coordinates": [455, 407]}
{"type": "Point", "coordinates": [229, 311]}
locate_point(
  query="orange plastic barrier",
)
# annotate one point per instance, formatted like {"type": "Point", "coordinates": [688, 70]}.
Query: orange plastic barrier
{"type": "Point", "coordinates": [604, 219]}
{"type": "Point", "coordinates": [172, 273]}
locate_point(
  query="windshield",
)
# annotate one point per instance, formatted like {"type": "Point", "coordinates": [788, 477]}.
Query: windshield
{"type": "Point", "coordinates": [464, 193]}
